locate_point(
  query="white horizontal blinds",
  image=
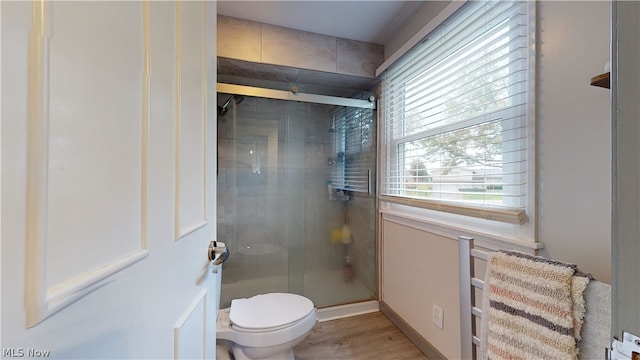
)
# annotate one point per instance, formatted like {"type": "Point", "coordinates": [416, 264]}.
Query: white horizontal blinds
{"type": "Point", "coordinates": [456, 110]}
{"type": "Point", "coordinates": [353, 137]}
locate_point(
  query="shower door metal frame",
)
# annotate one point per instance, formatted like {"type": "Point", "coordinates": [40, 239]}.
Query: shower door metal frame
{"type": "Point", "coordinates": [293, 283]}
{"type": "Point", "coordinates": [294, 95]}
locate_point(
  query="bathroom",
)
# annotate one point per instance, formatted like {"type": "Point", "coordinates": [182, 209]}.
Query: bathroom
{"type": "Point", "coordinates": [142, 212]}
{"type": "Point", "coordinates": [561, 233]}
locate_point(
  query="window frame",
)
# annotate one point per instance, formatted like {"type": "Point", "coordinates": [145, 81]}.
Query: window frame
{"type": "Point", "coordinates": [505, 221]}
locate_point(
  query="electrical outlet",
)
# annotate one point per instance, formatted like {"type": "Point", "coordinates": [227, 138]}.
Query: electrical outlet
{"type": "Point", "coordinates": [437, 316]}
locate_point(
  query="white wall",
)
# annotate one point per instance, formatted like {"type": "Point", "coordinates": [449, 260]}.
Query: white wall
{"type": "Point", "coordinates": [574, 135]}
{"type": "Point", "coordinates": [420, 269]}
{"type": "Point", "coordinates": [119, 142]}
{"type": "Point", "coordinates": [425, 13]}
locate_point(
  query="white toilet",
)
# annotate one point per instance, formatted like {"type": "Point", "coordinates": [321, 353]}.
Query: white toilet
{"type": "Point", "coordinates": [265, 326]}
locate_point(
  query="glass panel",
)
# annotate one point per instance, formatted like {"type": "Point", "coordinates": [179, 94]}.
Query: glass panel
{"type": "Point", "coordinates": [281, 221]}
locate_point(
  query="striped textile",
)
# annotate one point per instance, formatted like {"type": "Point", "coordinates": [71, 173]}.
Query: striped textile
{"type": "Point", "coordinates": [536, 307]}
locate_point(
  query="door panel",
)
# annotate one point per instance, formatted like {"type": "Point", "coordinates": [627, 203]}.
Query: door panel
{"type": "Point", "coordinates": [97, 136]}
{"type": "Point", "coordinates": [190, 120]}
{"type": "Point", "coordinates": [188, 340]}
{"type": "Point", "coordinates": [79, 145]}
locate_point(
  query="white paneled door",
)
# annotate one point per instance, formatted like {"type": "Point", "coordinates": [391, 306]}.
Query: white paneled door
{"type": "Point", "coordinates": [108, 166]}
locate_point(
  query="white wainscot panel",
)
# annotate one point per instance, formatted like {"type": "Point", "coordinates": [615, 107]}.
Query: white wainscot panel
{"type": "Point", "coordinates": [88, 120]}
{"type": "Point", "coordinates": [189, 332]}
{"type": "Point", "coordinates": [190, 119]}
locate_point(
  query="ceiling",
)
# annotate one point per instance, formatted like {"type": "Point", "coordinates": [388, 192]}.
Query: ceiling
{"type": "Point", "coordinates": [369, 21]}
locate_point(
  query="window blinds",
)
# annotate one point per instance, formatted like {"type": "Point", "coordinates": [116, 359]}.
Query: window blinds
{"type": "Point", "coordinates": [352, 145]}
{"type": "Point", "coordinates": [456, 110]}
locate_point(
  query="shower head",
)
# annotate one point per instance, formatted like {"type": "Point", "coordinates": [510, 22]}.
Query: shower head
{"type": "Point", "coordinates": [222, 110]}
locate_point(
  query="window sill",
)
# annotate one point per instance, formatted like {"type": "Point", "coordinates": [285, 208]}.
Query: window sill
{"type": "Point", "coordinates": [601, 80]}
{"type": "Point", "coordinates": [518, 217]}
{"type": "Point", "coordinates": [451, 230]}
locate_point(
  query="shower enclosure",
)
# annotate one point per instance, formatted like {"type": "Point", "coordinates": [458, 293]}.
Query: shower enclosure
{"type": "Point", "coordinates": [295, 190]}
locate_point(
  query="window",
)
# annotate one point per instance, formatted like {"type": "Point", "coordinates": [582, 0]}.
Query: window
{"type": "Point", "coordinates": [352, 145]}
{"type": "Point", "coordinates": [457, 116]}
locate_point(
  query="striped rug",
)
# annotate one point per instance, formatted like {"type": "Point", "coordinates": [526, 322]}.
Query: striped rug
{"type": "Point", "coordinates": [536, 307]}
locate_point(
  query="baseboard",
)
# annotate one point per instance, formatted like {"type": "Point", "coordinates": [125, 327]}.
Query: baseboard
{"type": "Point", "coordinates": [421, 343]}
{"type": "Point", "coordinates": [342, 311]}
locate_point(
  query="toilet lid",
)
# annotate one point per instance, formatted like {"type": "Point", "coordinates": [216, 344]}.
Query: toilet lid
{"type": "Point", "coordinates": [269, 311]}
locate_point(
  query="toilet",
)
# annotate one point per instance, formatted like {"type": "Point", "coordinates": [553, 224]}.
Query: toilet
{"type": "Point", "coordinates": [265, 326]}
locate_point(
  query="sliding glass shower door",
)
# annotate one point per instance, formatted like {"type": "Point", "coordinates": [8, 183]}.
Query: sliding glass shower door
{"type": "Point", "coordinates": [280, 208]}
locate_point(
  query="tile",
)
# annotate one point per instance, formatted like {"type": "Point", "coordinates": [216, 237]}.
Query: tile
{"type": "Point", "coordinates": [358, 58]}
{"type": "Point", "coordinates": [316, 155]}
{"type": "Point", "coordinates": [292, 155]}
{"type": "Point", "coordinates": [300, 49]}
{"type": "Point", "coordinates": [279, 77]}
{"type": "Point", "coordinates": [296, 126]}
{"type": "Point", "coordinates": [317, 128]}
{"type": "Point", "coordinates": [238, 39]}
{"type": "Point", "coordinates": [253, 70]}
{"type": "Point", "coordinates": [333, 80]}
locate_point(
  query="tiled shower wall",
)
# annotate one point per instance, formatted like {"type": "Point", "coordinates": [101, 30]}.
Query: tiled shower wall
{"type": "Point", "coordinates": [362, 220]}
{"type": "Point", "coordinates": [274, 211]}
{"type": "Point", "coordinates": [263, 43]}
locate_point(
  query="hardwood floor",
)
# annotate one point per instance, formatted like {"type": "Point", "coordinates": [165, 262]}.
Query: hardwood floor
{"type": "Point", "coordinates": [361, 337]}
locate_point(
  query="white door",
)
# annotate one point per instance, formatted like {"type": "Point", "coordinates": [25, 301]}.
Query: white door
{"type": "Point", "coordinates": [108, 166]}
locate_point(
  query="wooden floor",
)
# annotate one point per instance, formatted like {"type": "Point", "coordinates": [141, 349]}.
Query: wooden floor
{"type": "Point", "coordinates": [361, 337]}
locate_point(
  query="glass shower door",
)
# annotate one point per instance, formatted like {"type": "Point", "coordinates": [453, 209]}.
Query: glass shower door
{"type": "Point", "coordinates": [277, 213]}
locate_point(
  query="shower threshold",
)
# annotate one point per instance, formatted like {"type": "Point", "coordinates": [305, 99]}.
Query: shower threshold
{"type": "Point", "coordinates": [325, 289]}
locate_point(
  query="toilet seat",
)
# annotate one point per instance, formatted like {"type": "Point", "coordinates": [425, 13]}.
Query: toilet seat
{"type": "Point", "coordinates": [269, 312]}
